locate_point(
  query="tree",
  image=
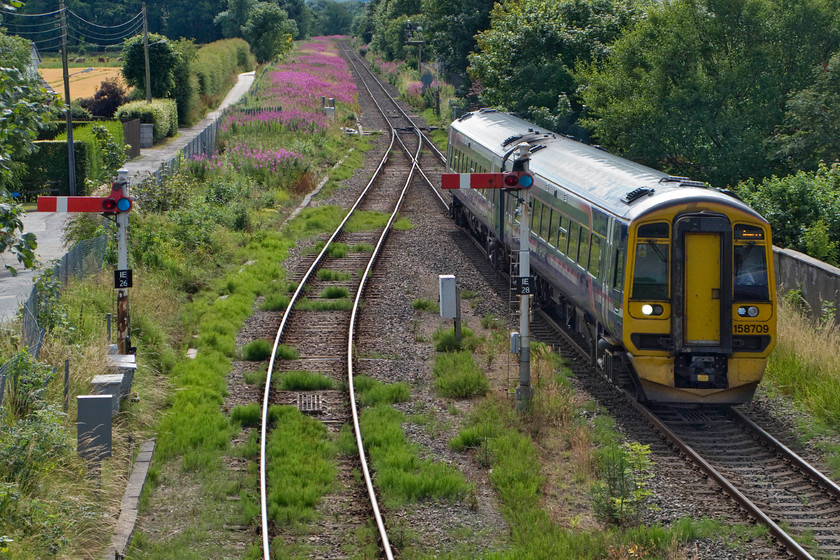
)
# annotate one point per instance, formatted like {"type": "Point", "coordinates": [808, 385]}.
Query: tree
{"type": "Point", "coordinates": [232, 19]}
{"type": "Point", "coordinates": [107, 98]}
{"type": "Point", "coordinates": [25, 106]}
{"type": "Point", "coordinates": [526, 61]}
{"type": "Point", "coordinates": [450, 29]}
{"type": "Point", "coordinates": [812, 123]}
{"type": "Point", "coordinates": [699, 86]}
{"type": "Point", "coordinates": [163, 59]}
{"type": "Point", "coordinates": [334, 18]}
{"type": "Point", "coordinates": [389, 26]}
{"type": "Point", "coordinates": [299, 12]}
{"type": "Point", "coordinates": [269, 31]}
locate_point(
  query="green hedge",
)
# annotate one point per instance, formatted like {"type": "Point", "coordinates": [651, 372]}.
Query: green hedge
{"type": "Point", "coordinates": [46, 170]}
{"type": "Point", "coordinates": [163, 113]}
{"type": "Point", "coordinates": [83, 132]}
{"type": "Point", "coordinates": [217, 63]}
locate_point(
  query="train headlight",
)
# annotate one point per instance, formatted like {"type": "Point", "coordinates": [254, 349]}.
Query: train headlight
{"type": "Point", "coordinates": [654, 310]}
{"type": "Point", "coordinates": [750, 311]}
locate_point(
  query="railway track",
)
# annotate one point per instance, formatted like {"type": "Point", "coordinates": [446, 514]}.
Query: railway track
{"type": "Point", "coordinates": [323, 332]}
{"type": "Point", "coordinates": [771, 484]}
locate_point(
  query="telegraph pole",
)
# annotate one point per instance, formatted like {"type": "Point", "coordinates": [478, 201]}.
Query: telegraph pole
{"type": "Point", "coordinates": [146, 54]}
{"type": "Point", "coordinates": [71, 147]}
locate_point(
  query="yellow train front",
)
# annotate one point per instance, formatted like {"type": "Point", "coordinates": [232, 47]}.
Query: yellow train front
{"type": "Point", "coordinates": [667, 282]}
{"type": "Point", "coordinates": [699, 295]}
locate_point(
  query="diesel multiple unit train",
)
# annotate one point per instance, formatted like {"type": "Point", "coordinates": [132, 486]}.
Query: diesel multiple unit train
{"type": "Point", "coordinates": [669, 283]}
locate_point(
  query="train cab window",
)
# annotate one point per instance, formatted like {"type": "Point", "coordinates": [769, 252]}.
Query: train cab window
{"type": "Point", "coordinates": [750, 273]}
{"type": "Point", "coordinates": [563, 235]}
{"type": "Point", "coordinates": [552, 229]}
{"type": "Point", "coordinates": [583, 255]}
{"type": "Point", "coordinates": [651, 266]}
{"type": "Point", "coordinates": [595, 256]}
{"type": "Point", "coordinates": [574, 240]}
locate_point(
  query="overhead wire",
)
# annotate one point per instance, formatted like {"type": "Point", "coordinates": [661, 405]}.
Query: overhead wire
{"type": "Point", "coordinates": [71, 12]}
{"type": "Point", "coordinates": [114, 37]}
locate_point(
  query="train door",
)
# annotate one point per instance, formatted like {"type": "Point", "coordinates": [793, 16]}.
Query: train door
{"type": "Point", "coordinates": [702, 301]}
{"type": "Point", "coordinates": [701, 315]}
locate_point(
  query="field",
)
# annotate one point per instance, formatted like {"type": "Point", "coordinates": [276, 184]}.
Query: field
{"type": "Point", "coordinates": [81, 85]}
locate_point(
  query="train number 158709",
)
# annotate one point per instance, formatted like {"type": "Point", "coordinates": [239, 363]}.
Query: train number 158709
{"type": "Point", "coordinates": [749, 328]}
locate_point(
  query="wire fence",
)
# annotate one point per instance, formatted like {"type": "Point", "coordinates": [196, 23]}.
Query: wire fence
{"type": "Point", "coordinates": [203, 144]}
{"type": "Point", "coordinates": [84, 259]}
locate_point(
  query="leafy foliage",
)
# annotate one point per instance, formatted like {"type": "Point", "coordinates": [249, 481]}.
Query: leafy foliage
{"type": "Point", "coordinates": [528, 57]}
{"type": "Point", "coordinates": [812, 121]}
{"type": "Point", "coordinates": [104, 103]}
{"type": "Point", "coordinates": [802, 210]}
{"type": "Point", "coordinates": [163, 61]}
{"type": "Point", "coordinates": [698, 86]}
{"type": "Point", "coordinates": [269, 30]}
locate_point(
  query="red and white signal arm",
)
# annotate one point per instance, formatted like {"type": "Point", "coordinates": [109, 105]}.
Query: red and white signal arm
{"type": "Point", "coordinates": [512, 180]}
{"type": "Point", "coordinates": [112, 204]}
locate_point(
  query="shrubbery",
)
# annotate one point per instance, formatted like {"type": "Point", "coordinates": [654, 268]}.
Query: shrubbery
{"type": "Point", "coordinates": [163, 113]}
{"type": "Point", "coordinates": [802, 210]}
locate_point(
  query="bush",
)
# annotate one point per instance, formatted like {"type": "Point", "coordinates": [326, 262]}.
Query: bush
{"type": "Point", "coordinates": [45, 170]}
{"type": "Point", "coordinates": [107, 99]}
{"type": "Point", "coordinates": [163, 113]}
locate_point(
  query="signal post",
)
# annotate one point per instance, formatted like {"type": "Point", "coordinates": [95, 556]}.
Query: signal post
{"type": "Point", "coordinates": [519, 179]}
{"type": "Point", "coordinates": [115, 206]}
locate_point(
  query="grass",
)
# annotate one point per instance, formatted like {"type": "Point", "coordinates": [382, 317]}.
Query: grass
{"type": "Point", "coordinates": [344, 304]}
{"type": "Point", "coordinates": [333, 275]}
{"type": "Point", "coordinates": [301, 466]}
{"type": "Point", "coordinates": [335, 292]}
{"type": "Point", "coordinates": [298, 380]}
{"type": "Point", "coordinates": [275, 302]}
{"type": "Point", "coordinates": [457, 376]}
{"type": "Point", "coordinates": [805, 368]}
{"type": "Point", "coordinates": [257, 350]}
{"type": "Point", "coordinates": [424, 304]}
{"type": "Point", "coordinates": [445, 340]}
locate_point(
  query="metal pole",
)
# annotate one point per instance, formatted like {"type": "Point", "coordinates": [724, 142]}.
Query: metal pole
{"type": "Point", "coordinates": [108, 326]}
{"type": "Point", "coordinates": [524, 391]}
{"type": "Point", "coordinates": [457, 326]}
{"type": "Point", "coordinates": [146, 54]}
{"type": "Point", "coordinates": [71, 147]}
{"type": "Point", "coordinates": [66, 385]}
{"type": "Point", "coordinates": [123, 341]}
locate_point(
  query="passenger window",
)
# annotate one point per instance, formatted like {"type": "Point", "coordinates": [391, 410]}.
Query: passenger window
{"type": "Point", "coordinates": [536, 214]}
{"type": "Point", "coordinates": [584, 247]}
{"type": "Point", "coordinates": [552, 229]}
{"type": "Point", "coordinates": [750, 273]}
{"type": "Point", "coordinates": [563, 235]}
{"type": "Point", "coordinates": [618, 277]}
{"type": "Point", "coordinates": [595, 256]}
{"type": "Point", "coordinates": [545, 230]}
{"type": "Point", "coordinates": [574, 240]}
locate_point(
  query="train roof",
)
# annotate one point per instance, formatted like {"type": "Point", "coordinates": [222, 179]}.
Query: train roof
{"type": "Point", "coordinates": [616, 185]}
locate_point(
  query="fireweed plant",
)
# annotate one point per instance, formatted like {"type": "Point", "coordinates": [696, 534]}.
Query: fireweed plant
{"type": "Point", "coordinates": [276, 136]}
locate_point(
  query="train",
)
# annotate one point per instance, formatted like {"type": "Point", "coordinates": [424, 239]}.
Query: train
{"type": "Point", "coordinates": [667, 282]}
